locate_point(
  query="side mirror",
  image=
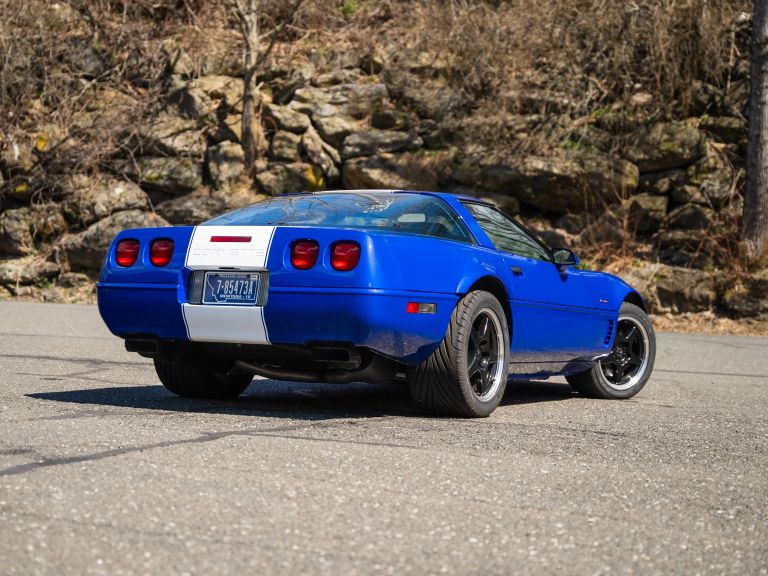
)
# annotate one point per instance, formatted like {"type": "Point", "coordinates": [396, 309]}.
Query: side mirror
{"type": "Point", "coordinates": [564, 258]}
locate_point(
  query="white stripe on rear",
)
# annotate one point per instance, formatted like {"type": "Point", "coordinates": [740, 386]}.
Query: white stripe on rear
{"type": "Point", "coordinates": [237, 324]}
{"type": "Point", "coordinates": [205, 255]}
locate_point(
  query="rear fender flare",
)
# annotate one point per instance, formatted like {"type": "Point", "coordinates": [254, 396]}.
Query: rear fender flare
{"type": "Point", "coordinates": [489, 282]}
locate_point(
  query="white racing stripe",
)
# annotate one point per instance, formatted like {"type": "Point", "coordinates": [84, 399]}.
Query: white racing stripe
{"type": "Point", "coordinates": [240, 324]}
{"type": "Point", "coordinates": [206, 255]}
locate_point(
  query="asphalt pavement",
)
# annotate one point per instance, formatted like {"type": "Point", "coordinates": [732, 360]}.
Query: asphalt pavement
{"type": "Point", "coordinates": [102, 471]}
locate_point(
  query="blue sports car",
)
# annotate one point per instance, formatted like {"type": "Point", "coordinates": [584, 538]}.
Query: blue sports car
{"type": "Point", "coordinates": [444, 291]}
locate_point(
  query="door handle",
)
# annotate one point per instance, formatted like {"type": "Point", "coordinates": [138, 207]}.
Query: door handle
{"type": "Point", "coordinates": [516, 270]}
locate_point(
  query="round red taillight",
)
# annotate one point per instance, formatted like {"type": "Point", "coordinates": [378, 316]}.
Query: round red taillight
{"type": "Point", "coordinates": [345, 255]}
{"type": "Point", "coordinates": [127, 252]}
{"type": "Point", "coordinates": [304, 254]}
{"type": "Point", "coordinates": [161, 252]}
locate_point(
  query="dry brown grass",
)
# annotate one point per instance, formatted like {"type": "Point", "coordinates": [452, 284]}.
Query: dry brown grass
{"type": "Point", "coordinates": [708, 323]}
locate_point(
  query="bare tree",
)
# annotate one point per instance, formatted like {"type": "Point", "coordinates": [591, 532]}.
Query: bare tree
{"type": "Point", "coordinates": [755, 219]}
{"type": "Point", "coordinates": [247, 14]}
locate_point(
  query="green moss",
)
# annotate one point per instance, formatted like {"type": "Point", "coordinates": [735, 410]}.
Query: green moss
{"type": "Point", "coordinates": [580, 145]}
{"type": "Point", "coordinates": [349, 8]}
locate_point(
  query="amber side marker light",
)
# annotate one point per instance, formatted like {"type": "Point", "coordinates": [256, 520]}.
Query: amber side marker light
{"type": "Point", "coordinates": [421, 308]}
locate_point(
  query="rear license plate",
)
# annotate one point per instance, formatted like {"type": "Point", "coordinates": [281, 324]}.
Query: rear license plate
{"type": "Point", "coordinates": [239, 289]}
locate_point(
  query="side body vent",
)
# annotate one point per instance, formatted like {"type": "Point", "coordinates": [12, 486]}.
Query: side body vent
{"type": "Point", "coordinates": [609, 333]}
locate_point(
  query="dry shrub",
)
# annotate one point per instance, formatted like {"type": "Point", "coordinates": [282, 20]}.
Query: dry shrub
{"type": "Point", "coordinates": [591, 51]}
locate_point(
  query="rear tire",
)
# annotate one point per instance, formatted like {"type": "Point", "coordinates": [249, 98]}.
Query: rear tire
{"type": "Point", "coordinates": [627, 369]}
{"type": "Point", "coordinates": [467, 374]}
{"type": "Point", "coordinates": [192, 380]}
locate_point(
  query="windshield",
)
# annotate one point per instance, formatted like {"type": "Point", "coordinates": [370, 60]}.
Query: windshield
{"type": "Point", "coordinates": [393, 212]}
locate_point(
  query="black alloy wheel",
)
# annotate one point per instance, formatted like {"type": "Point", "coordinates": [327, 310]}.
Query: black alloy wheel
{"type": "Point", "coordinates": [628, 366]}
{"type": "Point", "coordinates": [467, 374]}
{"type": "Point", "coordinates": [483, 355]}
{"type": "Point", "coordinates": [628, 355]}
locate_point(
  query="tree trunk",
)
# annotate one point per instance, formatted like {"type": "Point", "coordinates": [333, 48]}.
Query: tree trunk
{"type": "Point", "coordinates": [251, 127]}
{"type": "Point", "coordinates": [755, 216]}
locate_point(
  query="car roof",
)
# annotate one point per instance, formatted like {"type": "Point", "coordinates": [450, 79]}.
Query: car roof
{"type": "Point", "coordinates": [385, 191]}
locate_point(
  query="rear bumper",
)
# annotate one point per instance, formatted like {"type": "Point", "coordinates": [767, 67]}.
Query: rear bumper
{"type": "Point", "coordinates": [366, 318]}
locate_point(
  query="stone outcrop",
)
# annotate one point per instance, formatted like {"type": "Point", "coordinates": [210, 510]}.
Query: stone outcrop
{"type": "Point", "coordinates": [15, 232]}
{"type": "Point", "coordinates": [226, 163]}
{"type": "Point", "coordinates": [373, 142]}
{"type": "Point", "coordinates": [390, 171]}
{"type": "Point", "coordinates": [169, 175]}
{"type": "Point", "coordinates": [665, 146]}
{"type": "Point", "coordinates": [171, 135]}
{"type": "Point", "coordinates": [594, 180]}
{"type": "Point", "coordinates": [567, 184]}
{"type": "Point", "coordinates": [92, 199]}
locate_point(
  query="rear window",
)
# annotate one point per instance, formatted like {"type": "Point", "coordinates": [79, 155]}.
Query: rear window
{"type": "Point", "coordinates": [393, 212]}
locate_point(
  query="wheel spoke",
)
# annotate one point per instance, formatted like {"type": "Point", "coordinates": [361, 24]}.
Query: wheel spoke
{"type": "Point", "coordinates": [486, 382]}
{"type": "Point", "coordinates": [629, 335]}
{"type": "Point", "coordinates": [473, 338]}
{"type": "Point", "coordinates": [618, 373]}
{"type": "Point", "coordinates": [474, 364]}
{"type": "Point", "coordinates": [482, 329]}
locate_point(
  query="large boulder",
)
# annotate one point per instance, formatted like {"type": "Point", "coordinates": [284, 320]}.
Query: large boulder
{"type": "Point", "coordinates": [285, 147]}
{"type": "Point", "coordinates": [282, 178]}
{"type": "Point", "coordinates": [92, 198]}
{"type": "Point", "coordinates": [27, 271]}
{"type": "Point", "coordinates": [687, 248]}
{"type": "Point", "coordinates": [47, 221]}
{"type": "Point", "coordinates": [391, 172]}
{"type": "Point", "coordinates": [321, 154]}
{"type": "Point", "coordinates": [748, 298]}
{"type": "Point", "coordinates": [672, 289]}
{"type": "Point", "coordinates": [168, 175]}
{"type": "Point", "coordinates": [171, 135]}
{"type": "Point", "coordinates": [373, 142]}
{"type": "Point", "coordinates": [647, 212]}
{"type": "Point", "coordinates": [203, 205]}
{"type": "Point", "coordinates": [285, 118]}
{"type": "Point", "coordinates": [192, 209]}
{"type": "Point", "coordinates": [15, 232]}
{"type": "Point", "coordinates": [685, 289]}
{"type": "Point", "coordinates": [662, 183]}
{"type": "Point", "coordinates": [226, 163]}
{"type": "Point", "coordinates": [691, 217]}
{"type": "Point", "coordinates": [337, 110]}
{"type": "Point", "coordinates": [335, 129]}
{"type": "Point", "coordinates": [566, 184]}
{"type": "Point", "coordinates": [664, 146]}
{"type": "Point", "coordinates": [86, 250]}
{"type": "Point", "coordinates": [727, 129]}
{"type": "Point", "coordinates": [390, 120]}
{"type": "Point", "coordinates": [712, 180]}
{"type": "Point", "coordinates": [353, 100]}
{"type": "Point", "coordinates": [192, 102]}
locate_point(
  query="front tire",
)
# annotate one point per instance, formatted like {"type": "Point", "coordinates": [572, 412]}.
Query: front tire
{"type": "Point", "coordinates": [628, 367]}
{"type": "Point", "coordinates": [467, 374]}
{"type": "Point", "coordinates": [192, 380]}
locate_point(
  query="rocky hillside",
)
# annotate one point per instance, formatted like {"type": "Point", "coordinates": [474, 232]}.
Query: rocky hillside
{"type": "Point", "coordinates": [115, 117]}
